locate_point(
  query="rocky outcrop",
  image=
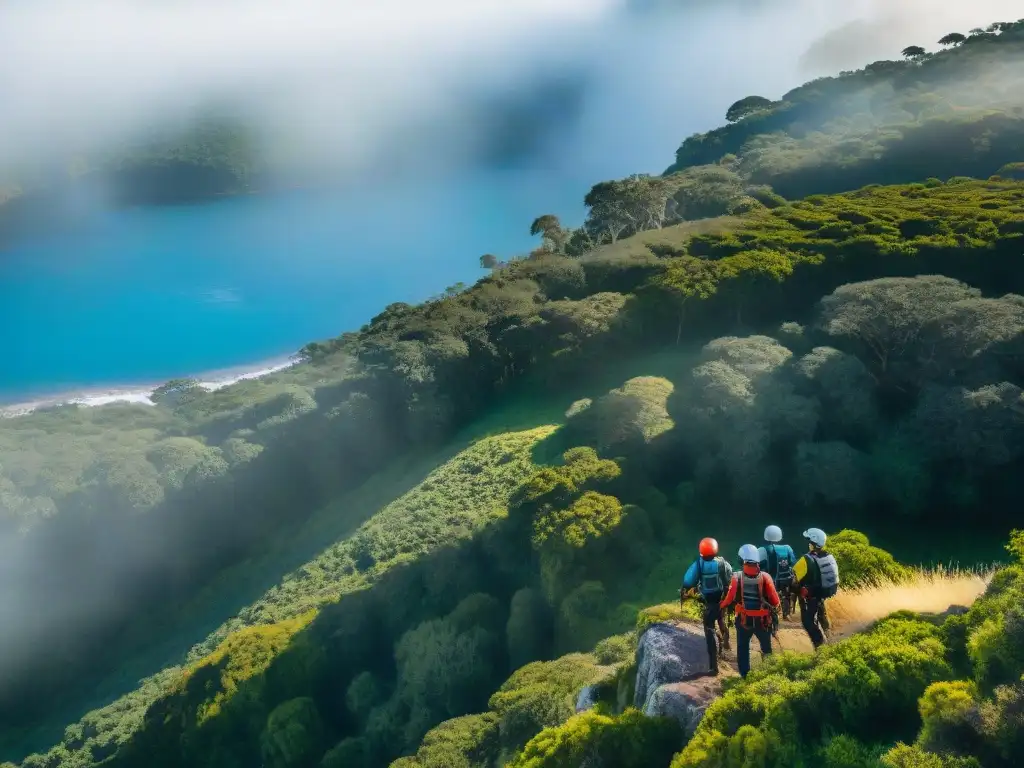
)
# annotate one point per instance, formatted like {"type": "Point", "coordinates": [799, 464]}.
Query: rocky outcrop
{"type": "Point", "coordinates": [587, 699]}
{"type": "Point", "coordinates": [684, 702]}
{"type": "Point", "coordinates": [672, 676]}
{"type": "Point", "coordinates": [668, 653]}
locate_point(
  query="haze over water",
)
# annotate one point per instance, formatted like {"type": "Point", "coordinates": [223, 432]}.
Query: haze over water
{"type": "Point", "coordinates": [145, 295]}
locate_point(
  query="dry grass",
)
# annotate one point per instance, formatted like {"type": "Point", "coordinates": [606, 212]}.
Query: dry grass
{"type": "Point", "coordinates": [928, 591]}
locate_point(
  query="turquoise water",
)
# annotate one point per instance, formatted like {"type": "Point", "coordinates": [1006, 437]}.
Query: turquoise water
{"type": "Point", "coordinates": [144, 295]}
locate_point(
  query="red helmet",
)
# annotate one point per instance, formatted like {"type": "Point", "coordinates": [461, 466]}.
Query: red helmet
{"type": "Point", "coordinates": [708, 547]}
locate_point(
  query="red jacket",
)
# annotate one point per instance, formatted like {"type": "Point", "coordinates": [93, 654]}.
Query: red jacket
{"type": "Point", "coordinates": [767, 587]}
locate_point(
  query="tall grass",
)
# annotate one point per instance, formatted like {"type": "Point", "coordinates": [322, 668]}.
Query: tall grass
{"type": "Point", "coordinates": [931, 590]}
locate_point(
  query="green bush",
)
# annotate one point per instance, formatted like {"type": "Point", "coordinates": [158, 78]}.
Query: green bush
{"type": "Point", "coordinates": [293, 736]}
{"type": "Point", "coordinates": [861, 564]}
{"type": "Point", "coordinates": [528, 631]}
{"type": "Point", "coordinates": [655, 614]}
{"type": "Point", "coordinates": [347, 753]}
{"type": "Point", "coordinates": [629, 740]}
{"type": "Point", "coordinates": [905, 756]}
{"type": "Point", "coordinates": [617, 649]}
{"type": "Point", "coordinates": [995, 644]}
{"type": "Point", "coordinates": [464, 742]}
{"type": "Point", "coordinates": [950, 718]}
{"type": "Point", "coordinates": [540, 695]}
{"type": "Point", "coordinates": [783, 712]}
{"type": "Point", "coordinates": [843, 751]}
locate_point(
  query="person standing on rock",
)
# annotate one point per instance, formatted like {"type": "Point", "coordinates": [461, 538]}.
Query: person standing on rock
{"type": "Point", "coordinates": [753, 592]}
{"type": "Point", "coordinates": [777, 560]}
{"type": "Point", "coordinates": [709, 574]}
{"type": "Point", "coordinates": [816, 575]}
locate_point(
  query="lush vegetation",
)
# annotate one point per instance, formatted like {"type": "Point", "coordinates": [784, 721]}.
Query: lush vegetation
{"type": "Point", "coordinates": [953, 112]}
{"type": "Point", "coordinates": [543, 449]}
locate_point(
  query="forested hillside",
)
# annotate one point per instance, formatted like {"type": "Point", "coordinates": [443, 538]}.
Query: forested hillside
{"type": "Point", "coordinates": [321, 566]}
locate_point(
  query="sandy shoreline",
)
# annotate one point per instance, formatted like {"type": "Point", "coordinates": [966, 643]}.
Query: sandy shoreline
{"type": "Point", "coordinates": [140, 393]}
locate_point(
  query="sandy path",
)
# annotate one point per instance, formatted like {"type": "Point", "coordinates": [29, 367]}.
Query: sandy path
{"type": "Point", "coordinates": [854, 610]}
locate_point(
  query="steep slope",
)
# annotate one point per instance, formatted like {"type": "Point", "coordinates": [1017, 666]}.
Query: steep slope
{"type": "Point", "coordinates": [534, 718]}
{"type": "Point", "coordinates": [883, 124]}
{"type": "Point", "coordinates": [863, 369]}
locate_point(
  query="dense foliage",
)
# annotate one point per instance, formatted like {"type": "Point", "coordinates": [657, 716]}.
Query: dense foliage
{"type": "Point", "coordinates": [543, 449]}
{"type": "Point", "coordinates": [953, 112]}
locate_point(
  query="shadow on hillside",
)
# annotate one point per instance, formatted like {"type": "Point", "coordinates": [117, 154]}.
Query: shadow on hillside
{"type": "Point", "coordinates": [354, 635]}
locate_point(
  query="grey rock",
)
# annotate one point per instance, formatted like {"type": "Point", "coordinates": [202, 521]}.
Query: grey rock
{"type": "Point", "coordinates": [668, 653]}
{"type": "Point", "coordinates": [684, 702]}
{"type": "Point", "coordinates": [587, 699]}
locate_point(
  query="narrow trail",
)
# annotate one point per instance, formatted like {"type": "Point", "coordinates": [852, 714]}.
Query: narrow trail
{"type": "Point", "coordinates": [854, 610]}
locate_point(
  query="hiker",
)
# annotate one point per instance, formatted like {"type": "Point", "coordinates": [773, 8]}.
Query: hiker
{"type": "Point", "coordinates": [708, 575]}
{"type": "Point", "coordinates": [777, 561]}
{"type": "Point", "coordinates": [757, 603]}
{"type": "Point", "coordinates": [816, 576]}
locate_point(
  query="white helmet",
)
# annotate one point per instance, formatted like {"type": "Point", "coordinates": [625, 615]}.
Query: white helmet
{"type": "Point", "coordinates": [773, 534]}
{"type": "Point", "coordinates": [749, 554]}
{"type": "Point", "coordinates": [816, 536]}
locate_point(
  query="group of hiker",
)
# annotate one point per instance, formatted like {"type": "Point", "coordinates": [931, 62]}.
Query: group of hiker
{"type": "Point", "coordinates": [770, 578]}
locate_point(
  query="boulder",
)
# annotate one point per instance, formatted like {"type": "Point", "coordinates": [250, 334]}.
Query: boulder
{"type": "Point", "coordinates": [587, 699]}
{"type": "Point", "coordinates": [684, 702]}
{"type": "Point", "coordinates": [668, 653]}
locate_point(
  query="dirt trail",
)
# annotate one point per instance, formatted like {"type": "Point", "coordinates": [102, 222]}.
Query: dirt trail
{"type": "Point", "coordinates": [854, 610]}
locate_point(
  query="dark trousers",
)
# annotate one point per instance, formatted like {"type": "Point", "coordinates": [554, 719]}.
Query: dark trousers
{"type": "Point", "coordinates": [745, 630]}
{"type": "Point", "coordinates": [814, 617]}
{"type": "Point", "coordinates": [712, 616]}
{"type": "Point", "coordinates": [786, 594]}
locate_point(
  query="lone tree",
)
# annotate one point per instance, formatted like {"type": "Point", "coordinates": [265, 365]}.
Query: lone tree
{"type": "Point", "coordinates": [746, 106]}
{"type": "Point", "coordinates": [953, 38]}
{"type": "Point", "coordinates": [488, 261]}
{"type": "Point", "coordinates": [627, 206]}
{"type": "Point", "coordinates": [913, 52]}
{"type": "Point", "coordinates": [550, 229]}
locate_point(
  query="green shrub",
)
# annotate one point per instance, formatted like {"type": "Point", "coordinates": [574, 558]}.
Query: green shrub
{"type": "Point", "coordinates": [844, 751]}
{"type": "Point", "coordinates": [528, 632]}
{"type": "Point", "coordinates": [463, 742]}
{"type": "Point", "coordinates": [293, 736]}
{"type": "Point", "coordinates": [781, 714]}
{"type": "Point", "coordinates": [363, 694]}
{"type": "Point", "coordinates": [347, 753]}
{"type": "Point", "coordinates": [861, 564]}
{"type": "Point", "coordinates": [1003, 722]}
{"type": "Point", "coordinates": [950, 717]}
{"type": "Point", "coordinates": [655, 614]}
{"type": "Point", "coordinates": [617, 649]}
{"type": "Point", "coordinates": [630, 740]}
{"type": "Point", "coordinates": [540, 695]}
{"type": "Point", "coordinates": [904, 756]}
